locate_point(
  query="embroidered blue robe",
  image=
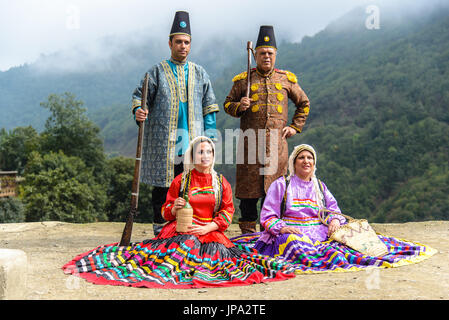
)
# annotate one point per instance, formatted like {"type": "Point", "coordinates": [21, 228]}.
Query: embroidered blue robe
{"type": "Point", "coordinates": [181, 106]}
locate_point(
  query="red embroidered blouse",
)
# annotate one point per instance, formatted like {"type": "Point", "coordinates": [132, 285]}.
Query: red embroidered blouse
{"type": "Point", "coordinates": [202, 200]}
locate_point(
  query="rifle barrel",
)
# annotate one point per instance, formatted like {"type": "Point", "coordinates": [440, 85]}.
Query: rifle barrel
{"type": "Point", "coordinates": [126, 235]}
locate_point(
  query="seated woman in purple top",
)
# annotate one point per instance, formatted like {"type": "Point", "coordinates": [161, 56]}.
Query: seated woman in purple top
{"type": "Point", "coordinates": [303, 200]}
{"type": "Point", "coordinates": [294, 232]}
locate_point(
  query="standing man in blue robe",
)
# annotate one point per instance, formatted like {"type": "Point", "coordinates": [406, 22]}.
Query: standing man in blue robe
{"type": "Point", "coordinates": [181, 106]}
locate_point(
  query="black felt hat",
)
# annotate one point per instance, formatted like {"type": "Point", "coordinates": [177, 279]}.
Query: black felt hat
{"type": "Point", "coordinates": [266, 37]}
{"type": "Point", "coordinates": [181, 24]}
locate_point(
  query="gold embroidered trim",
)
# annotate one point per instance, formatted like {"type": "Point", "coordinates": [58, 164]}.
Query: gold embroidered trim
{"type": "Point", "coordinates": [306, 110]}
{"type": "Point", "coordinates": [192, 129]}
{"type": "Point", "coordinates": [136, 103]}
{"type": "Point", "coordinates": [212, 108]}
{"type": "Point", "coordinates": [279, 96]}
{"type": "Point", "coordinates": [265, 47]}
{"type": "Point", "coordinates": [256, 107]}
{"type": "Point", "coordinates": [291, 76]}
{"type": "Point", "coordinates": [297, 129]}
{"type": "Point", "coordinates": [240, 76]}
{"type": "Point", "coordinates": [255, 86]}
{"type": "Point", "coordinates": [237, 105]}
{"type": "Point", "coordinates": [173, 123]}
{"type": "Point", "coordinates": [181, 83]}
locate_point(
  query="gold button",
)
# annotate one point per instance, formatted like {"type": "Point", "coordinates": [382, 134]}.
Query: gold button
{"type": "Point", "coordinates": [280, 96]}
{"type": "Point", "coordinates": [280, 109]}
{"type": "Point", "coordinates": [255, 108]}
{"type": "Point", "coordinates": [278, 86]}
{"type": "Point", "coordinates": [254, 87]}
{"type": "Point", "coordinates": [255, 97]}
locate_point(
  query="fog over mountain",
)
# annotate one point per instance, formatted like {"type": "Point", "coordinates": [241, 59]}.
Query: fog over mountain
{"type": "Point", "coordinates": [89, 31]}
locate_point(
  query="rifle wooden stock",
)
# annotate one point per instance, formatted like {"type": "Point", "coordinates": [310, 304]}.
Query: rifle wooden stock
{"type": "Point", "coordinates": [126, 236]}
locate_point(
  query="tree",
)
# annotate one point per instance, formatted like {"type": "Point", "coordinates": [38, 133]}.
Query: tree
{"type": "Point", "coordinates": [62, 188]}
{"type": "Point", "coordinates": [69, 130]}
{"type": "Point", "coordinates": [120, 171]}
{"type": "Point", "coordinates": [11, 210]}
{"type": "Point", "coordinates": [15, 146]}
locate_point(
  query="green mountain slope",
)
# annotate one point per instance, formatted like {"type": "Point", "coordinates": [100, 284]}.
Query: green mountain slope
{"type": "Point", "coordinates": [379, 115]}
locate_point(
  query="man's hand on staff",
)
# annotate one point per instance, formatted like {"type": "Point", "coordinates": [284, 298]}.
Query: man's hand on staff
{"type": "Point", "coordinates": [245, 103]}
{"type": "Point", "coordinates": [141, 114]}
{"type": "Point", "coordinates": [287, 132]}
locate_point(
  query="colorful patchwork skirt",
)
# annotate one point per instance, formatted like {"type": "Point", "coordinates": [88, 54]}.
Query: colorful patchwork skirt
{"type": "Point", "coordinates": [308, 256]}
{"type": "Point", "coordinates": [180, 262]}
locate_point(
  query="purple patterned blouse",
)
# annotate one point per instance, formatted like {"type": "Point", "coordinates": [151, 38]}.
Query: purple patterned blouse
{"type": "Point", "coordinates": [301, 210]}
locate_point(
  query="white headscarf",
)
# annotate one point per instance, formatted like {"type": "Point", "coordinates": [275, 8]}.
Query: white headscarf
{"type": "Point", "coordinates": [291, 170]}
{"type": "Point", "coordinates": [189, 166]}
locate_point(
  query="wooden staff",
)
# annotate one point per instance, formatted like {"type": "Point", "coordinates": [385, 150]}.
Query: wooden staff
{"type": "Point", "coordinates": [126, 236]}
{"type": "Point", "coordinates": [249, 48]}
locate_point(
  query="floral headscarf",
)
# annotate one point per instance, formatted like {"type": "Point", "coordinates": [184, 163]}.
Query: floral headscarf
{"type": "Point", "coordinates": [291, 169]}
{"type": "Point", "coordinates": [189, 166]}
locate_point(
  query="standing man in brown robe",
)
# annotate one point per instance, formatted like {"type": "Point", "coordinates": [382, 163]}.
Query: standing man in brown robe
{"type": "Point", "coordinates": [263, 119]}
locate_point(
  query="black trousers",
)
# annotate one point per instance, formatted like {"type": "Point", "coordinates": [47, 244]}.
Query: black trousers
{"type": "Point", "coordinates": [248, 209]}
{"type": "Point", "coordinates": [159, 195]}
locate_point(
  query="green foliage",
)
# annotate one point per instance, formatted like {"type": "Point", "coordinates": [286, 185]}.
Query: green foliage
{"type": "Point", "coordinates": [121, 173]}
{"type": "Point", "coordinates": [369, 169]}
{"type": "Point", "coordinates": [69, 130]}
{"type": "Point", "coordinates": [11, 210]}
{"type": "Point", "coordinates": [420, 198]}
{"type": "Point", "coordinates": [15, 146]}
{"type": "Point", "coordinates": [62, 188]}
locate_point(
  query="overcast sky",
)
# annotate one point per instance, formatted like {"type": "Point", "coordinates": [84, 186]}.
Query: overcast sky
{"type": "Point", "coordinates": [29, 28]}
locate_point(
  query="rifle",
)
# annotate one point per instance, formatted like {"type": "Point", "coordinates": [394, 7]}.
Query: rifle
{"type": "Point", "coordinates": [126, 236]}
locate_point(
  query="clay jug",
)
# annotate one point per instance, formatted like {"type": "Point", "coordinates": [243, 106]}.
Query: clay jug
{"type": "Point", "coordinates": [184, 217]}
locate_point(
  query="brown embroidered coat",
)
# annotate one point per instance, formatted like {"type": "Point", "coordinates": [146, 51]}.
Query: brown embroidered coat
{"type": "Point", "coordinates": [265, 157]}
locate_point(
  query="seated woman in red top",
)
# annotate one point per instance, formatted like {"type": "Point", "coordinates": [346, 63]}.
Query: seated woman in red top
{"type": "Point", "coordinates": [201, 257]}
{"type": "Point", "coordinates": [209, 194]}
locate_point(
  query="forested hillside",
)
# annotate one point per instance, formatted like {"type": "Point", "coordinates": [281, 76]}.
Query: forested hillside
{"type": "Point", "coordinates": [380, 113]}
{"type": "Point", "coordinates": [379, 116]}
